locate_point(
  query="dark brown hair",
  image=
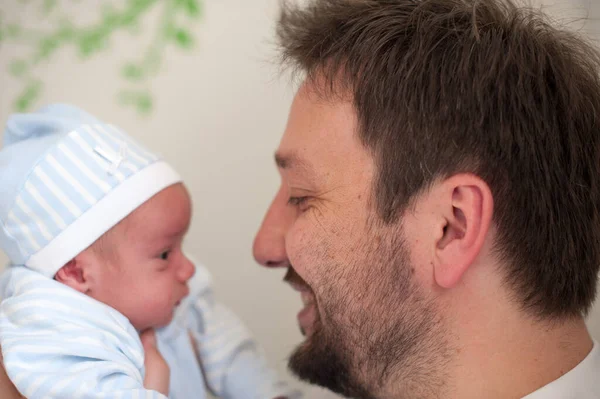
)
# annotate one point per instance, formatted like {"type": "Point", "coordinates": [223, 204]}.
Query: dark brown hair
{"type": "Point", "coordinates": [486, 87]}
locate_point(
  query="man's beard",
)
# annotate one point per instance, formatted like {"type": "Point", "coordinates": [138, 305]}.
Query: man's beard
{"type": "Point", "coordinates": [319, 361]}
{"type": "Point", "coordinates": [378, 335]}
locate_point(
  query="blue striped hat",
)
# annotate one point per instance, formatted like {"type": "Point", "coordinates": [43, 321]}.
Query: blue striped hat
{"type": "Point", "coordinates": [66, 178]}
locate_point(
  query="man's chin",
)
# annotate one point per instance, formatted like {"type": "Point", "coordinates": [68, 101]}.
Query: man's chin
{"type": "Point", "coordinates": [311, 360]}
{"type": "Point", "coordinates": [319, 360]}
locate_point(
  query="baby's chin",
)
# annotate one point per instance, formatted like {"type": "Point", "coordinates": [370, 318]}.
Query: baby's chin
{"type": "Point", "coordinates": [155, 324]}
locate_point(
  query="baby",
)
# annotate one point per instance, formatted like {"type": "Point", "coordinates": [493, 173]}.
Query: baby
{"type": "Point", "coordinates": [93, 226]}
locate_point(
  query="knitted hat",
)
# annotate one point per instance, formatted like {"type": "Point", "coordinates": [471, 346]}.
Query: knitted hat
{"type": "Point", "coordinates": [66, 178]}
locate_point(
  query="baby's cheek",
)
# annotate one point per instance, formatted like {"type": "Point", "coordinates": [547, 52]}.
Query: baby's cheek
{"type": "Point", "coordinates": [159, 307]}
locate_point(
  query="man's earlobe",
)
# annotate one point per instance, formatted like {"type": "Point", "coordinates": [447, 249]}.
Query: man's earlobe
{"type": "Point", "coordinates": [467, 212]}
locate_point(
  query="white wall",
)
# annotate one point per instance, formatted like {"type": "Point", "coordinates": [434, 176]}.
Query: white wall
{"type": "Point", "coordinates": [219, 113]}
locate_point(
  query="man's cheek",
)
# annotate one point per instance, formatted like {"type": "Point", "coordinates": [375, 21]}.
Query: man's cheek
{"type": "Point", "coordinates": [305, 251]}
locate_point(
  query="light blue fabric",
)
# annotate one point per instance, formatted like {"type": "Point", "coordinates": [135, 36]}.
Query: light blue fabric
{"type": "Point", "coordinates": [59, 343]}
{"type": "Point", "coordinates": [56, 164]}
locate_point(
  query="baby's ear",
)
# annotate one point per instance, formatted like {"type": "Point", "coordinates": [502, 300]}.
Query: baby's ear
{"type": "Point", "coordinates": [75, 274]}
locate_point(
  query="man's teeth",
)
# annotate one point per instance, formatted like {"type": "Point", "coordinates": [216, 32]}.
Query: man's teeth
{"type": "Point", "coordinates": [307, 298]}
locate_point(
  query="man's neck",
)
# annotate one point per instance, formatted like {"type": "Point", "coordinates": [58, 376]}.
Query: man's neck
{"type": "Point", "coordinates": [520, 359]}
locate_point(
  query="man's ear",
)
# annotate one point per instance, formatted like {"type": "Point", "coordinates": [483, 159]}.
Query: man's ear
{"type": "Point", "coordinates": [466, 207]}
{"type": "Point", "coordinates": [76, 273]}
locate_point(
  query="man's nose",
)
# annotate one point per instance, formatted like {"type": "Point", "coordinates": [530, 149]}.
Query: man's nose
{"type": "Point", "coordinates": [269, 243]}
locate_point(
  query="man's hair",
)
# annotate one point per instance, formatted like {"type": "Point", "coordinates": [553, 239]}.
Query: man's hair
{"type": "Point", "coordinates": [485, 87]}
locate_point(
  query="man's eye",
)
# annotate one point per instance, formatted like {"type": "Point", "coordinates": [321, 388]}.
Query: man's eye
{"type": "Point", "coordinates": [165, 255]}
{"type": "Point", "coordinates": [297, 201]}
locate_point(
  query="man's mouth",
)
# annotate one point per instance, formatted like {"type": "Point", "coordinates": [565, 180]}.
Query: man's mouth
{"type": "Point", "coordinates": [309, 314]}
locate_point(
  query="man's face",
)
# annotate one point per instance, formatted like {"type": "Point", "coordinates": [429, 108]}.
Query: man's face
{"type": "Point", "coordinates": [365, 317]}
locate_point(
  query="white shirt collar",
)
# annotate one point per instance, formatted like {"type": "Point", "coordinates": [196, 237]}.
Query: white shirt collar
{"type": "Point", "coordinates": [582, 382]}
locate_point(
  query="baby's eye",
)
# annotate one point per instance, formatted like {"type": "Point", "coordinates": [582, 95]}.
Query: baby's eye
{"type": "Point", "coordinates": [165, 255]}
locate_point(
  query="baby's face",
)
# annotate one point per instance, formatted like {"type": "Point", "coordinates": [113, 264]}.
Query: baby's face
{"type": "Point", "coordinates": [145, 272]}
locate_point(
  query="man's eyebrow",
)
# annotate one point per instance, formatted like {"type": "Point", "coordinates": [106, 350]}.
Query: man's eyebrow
{"type": "Point", "coordinates": [292, 160]}
{"type": "Point", "coordinates": [282, 161]}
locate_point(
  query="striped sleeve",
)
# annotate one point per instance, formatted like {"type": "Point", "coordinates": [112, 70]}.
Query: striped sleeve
{"type": "Point", "coordinates": [59, 343]}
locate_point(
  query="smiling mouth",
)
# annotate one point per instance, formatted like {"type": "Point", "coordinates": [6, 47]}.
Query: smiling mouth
{"type": "Point", "coordinates": [308, 314]}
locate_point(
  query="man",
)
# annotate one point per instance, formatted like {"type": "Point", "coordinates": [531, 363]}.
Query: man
{"type": "Point", "coordinates": [439, 204]}
{"type": "Point", "coordinates": [439, 201]}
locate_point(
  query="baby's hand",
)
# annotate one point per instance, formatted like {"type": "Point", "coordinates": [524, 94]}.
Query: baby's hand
{"type": "Point", "coordinates": [157, 370]}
